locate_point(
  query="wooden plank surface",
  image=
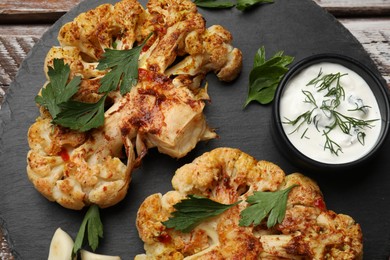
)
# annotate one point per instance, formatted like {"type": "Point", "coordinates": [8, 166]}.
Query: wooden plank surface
{"type": "Point", "coordinates": [374, 35]}
{"type": "Point", "coordinates": [38, 11]}
{"type": "Point", "coordinates": [15, 43]}
{"type": "Point", "coordinates": [20, 11]}
{"type": "Point", "coordinates": [355, 8]}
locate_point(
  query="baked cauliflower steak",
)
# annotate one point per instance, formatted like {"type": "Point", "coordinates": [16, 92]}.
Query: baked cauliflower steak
{"type": "Point", "coordinates": [164, 110]}
{"type": "Point", "coordinates": [226, 175]}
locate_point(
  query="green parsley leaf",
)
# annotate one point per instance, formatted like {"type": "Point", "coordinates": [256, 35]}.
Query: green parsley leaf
{"type": "Point", "coordinates": [81, 116]}
{"type": "Point", "coordinates": [124, 68]}
{"type": "Point", "coordinates": [263, 204]}
{"type": "Point", "coordinates": [93, 226]}
{"type": "Point", "coordinates": [57, 90]}
{"type": "Point", "coordinates": [266, 75]}
{"type": "Point", "coordinates": [217, 4]}
{"type": "Point", "coordinates": [192, 211]}
{"type": "Point", "coordinates": [243, 5]}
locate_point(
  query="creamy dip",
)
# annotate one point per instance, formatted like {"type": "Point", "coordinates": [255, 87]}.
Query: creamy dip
{"type": "Point", "coordinates": [314, 122]}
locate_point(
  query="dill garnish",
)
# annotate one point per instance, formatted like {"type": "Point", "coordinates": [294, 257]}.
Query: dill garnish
{"type": "Point", "coordinates": [329, 87]}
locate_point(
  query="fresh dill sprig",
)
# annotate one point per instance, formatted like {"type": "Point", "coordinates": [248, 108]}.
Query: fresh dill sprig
{"type": "Point", "coordinates": [326, 84]}
{"type": "Point", "coordinates": [305, 117]}
{"type": "Point", "coordinates": [331, 145]}
{"type": "Point", "coordinates": [300, 120]}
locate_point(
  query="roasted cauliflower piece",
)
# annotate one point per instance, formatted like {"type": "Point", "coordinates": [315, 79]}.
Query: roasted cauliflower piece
{"type": "Point", "coordinates": [160, 114]}
{"type": "Point", "coordinates": [216, 54]}
{"type": "Point", "coordinates": [78, 169]}
{"type": "Point", "coordinates": [100, 28]}
{"type": "Point", "coordinates": [164, 110]}
{"type": "Point", "coordinates": [226, 175]}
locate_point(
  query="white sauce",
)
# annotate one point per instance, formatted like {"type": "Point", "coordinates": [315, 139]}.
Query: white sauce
{"type": "Point", "coordinates": [310, 139]}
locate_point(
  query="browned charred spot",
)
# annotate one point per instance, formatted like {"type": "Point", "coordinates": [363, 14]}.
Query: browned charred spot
{"type": "Point", "coordinates": [100, 35]}
{"type": "Point", "coordinates": [156, 18]}
{"type": "Point", "coordinates": [152, 92]}
{"type": "Point", "coordinates": [140, 122]}
{"type": "Point", "coordinates": [74, 31]}
{"type": "Point", "coordinates": [107, 137]}
{"type": "Point", "coordinates": [125, 130]}
{"type": "Point", "coordinates": [152, 75]}
{"type": "Point", "coordinates": [147, 91]}
{"type": "Point", "coordinates": [176, 35]}
{"type": "Point", "coordinates": [226, 182]}
{"type": "Point", "coordinates": [251, 243]}
{"type": "Point", "coordinates": [161, 79]}
{"type": "Point", "coordinates": [155, 131]}
{"type": "Point", "coordinates": [160, 30]}
{"type": "Point", "coordinates": [160, 99]}
{"type": "Point", "coordinates": [154, 67]}
{"type": "Point", "coordinates": [98, 53]}
{"type": "Point", "coordinates": [91, 137]}
{"type": "Point", "coordinates": [192, 103]}
{"type": "Point", "coordinates": [297, 246]}
{"type": "Point", "coordinates": [143, 75]}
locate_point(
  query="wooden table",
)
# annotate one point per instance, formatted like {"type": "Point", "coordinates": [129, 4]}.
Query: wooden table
{"type": "Point", "coordinates": [22, 22]}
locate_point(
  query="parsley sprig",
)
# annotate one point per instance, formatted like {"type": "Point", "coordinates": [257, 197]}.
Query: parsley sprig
{"type": "Point", "coordinates": [215, 4]}
{"type": "Point", "coordinates": [58, 90]}
{"type": "Point", "coordinates": [123, 65]}
{"type": "Point", "coordinates": [81, 116]}
{"type": "Point", "coordinates": [263, 204]}
{"type": "Point", "coordinates": [334, 94]}
{"type": "Point", "coordinates": [56, 97]}
{"type": "Point", "coordinates": [241, 5]}
{"type": "Point", "coordinates": [266, 75]}
{"type": "Point", "coordinates": [193, 210]}
{"type": "Point", "coordinates": [93, 227]}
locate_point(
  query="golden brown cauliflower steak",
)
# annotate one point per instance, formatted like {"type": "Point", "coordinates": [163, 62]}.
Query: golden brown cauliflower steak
{"type": "Point", "coordinates": [226, 175]}
{"type": "Point", "coordinates": [164, 110]}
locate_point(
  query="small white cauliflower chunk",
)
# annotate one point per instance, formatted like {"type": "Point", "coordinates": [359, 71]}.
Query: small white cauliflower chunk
{"type": "Point", "coordinates": [226, 175]}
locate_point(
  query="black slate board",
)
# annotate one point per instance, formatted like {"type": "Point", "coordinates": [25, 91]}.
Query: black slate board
{"type": "Point", "coordinates": [300, 28]}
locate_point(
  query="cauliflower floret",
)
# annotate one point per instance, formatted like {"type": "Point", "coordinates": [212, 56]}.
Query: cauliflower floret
{"type": "Point", "coordinates": [159, 114]}
{"type": "Point", "coordinates": [226, 175]}
{"type": "Point", "coordinates": [215, 54]}
{"type": "Point", "coordinates": [77, 169]}
{"type": "Point", "coordinates": [93, 31]}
